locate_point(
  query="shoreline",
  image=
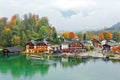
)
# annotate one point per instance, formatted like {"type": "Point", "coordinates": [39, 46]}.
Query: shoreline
{"type": "Point", "coordinates": [81, 55]}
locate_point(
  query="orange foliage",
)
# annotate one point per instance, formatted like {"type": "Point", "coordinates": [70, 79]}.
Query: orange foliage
{"type": "Point", "coordinates": [101, 36]}
{"type": "Point", "coordinates": [68, 35]}
{"type": "Point", "coordinates": [71, 35]}
{"type": "Point", "coordinates": [13, 19]}
{"type": "Point", "coordinates": [105, 35]}
{"type": "Point", "coordinates": [116, 49]}
{"type": "Point", "coordinates": [94, 36]}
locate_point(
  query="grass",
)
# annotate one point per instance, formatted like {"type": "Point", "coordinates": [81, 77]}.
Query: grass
{"type": "Point", "coordinates": [109, 54]}
{"type": "Point", "coordinates": [1, 49]}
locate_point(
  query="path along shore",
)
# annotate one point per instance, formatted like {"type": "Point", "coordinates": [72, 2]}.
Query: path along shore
{"type": "Point", "coordinates": [95, 54]}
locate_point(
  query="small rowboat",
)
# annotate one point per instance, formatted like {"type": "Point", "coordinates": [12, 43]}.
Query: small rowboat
{"type": "Point", "coordinates": [35, 57]}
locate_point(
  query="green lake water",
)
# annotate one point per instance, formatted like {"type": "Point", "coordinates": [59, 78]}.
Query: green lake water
{"type": "Point", "coordinates": [22, 68]}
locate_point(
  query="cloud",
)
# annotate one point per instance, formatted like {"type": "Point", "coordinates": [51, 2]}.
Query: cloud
{"type": "Point", "coordinates": [67, 14]}
{"type": "Point", "coordinates": [72, 4]}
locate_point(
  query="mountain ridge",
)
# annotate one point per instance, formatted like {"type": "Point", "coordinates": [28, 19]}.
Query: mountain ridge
{"type": "Point", "coordinates": [115, 27]}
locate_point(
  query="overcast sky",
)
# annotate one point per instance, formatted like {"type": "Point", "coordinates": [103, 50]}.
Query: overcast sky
{"type": "Point", "coordinates": [67, 15]}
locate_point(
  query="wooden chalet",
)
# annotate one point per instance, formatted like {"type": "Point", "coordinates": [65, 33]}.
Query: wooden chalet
{"type": "Point", "coordinates": [76, 47]}
{"type": "Point", "coordinates": [96, 43]}
{"type": "Point", "coordinates": [38, 47]}
{"type": "Point", "coordinates": [11, 50]}
{"type": "Point", "coordinates": [106, 48]}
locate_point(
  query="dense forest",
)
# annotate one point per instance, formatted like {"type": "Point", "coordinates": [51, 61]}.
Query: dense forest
{"type": "Point", "coordinates": [17, 31]}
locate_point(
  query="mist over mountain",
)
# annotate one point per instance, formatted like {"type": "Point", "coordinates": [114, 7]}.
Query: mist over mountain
{"type": "Point", "coordinates": [115, 27]}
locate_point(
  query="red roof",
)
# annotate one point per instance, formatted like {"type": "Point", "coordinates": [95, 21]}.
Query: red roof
{"type": "Point", "coordinates": [65, 50]}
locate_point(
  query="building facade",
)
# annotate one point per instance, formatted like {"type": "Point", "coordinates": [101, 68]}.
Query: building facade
{"type": "Point", "coordinates": [38, 47]}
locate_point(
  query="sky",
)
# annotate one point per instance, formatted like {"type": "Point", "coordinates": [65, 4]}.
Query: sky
{"type": "Point", "coordinates": [67, 15]}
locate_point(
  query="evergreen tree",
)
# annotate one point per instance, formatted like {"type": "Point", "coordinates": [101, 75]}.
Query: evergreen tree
{"type": "Point", "coordinates": [24, 39]}
{"type": "Point", "coordinates": [116, 36]}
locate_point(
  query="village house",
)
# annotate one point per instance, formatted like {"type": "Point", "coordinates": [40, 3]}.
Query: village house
{"type": "Point", "coordinates": [106, 48]}
{"type": "Point", "coordinates": [64, 47]}
{"type": "Point", "coordinates": [55, 47]}
{"type": "Point", "coordinates": [38, 47]}
{"type": "Point", "coordinates": [110, 46]}
{"type": "Point", "coordinates": [87, 43]}
{"type": "Point", "coordinates": [112, 43]}
{"type": "Point", "coordinates": [11, 50]}
{"type": "Point", "coordinates": [103, 42]}
{"type": "Point", "coordinates": [96, 43]}
{"type": "Point", "coordinates": [76, 47]}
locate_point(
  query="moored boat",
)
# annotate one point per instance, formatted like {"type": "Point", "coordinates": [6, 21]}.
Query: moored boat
{"type": "Point", "coordinates": [35, 57]}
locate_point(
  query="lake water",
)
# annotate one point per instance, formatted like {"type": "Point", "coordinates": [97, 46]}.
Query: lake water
{"type": "Point", "coordinates": [22, 68]}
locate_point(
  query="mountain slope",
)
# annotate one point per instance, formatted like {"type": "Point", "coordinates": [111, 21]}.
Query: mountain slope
{"type": "Point", "coordinates": [115, 27]}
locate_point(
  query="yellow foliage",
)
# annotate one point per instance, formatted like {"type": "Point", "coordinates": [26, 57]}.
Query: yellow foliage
{"type": "Point", "coordinates": [7, 28]}
{"type": "Point", "coordinates": [105, 35]}
{"type": "Point", "coordinates": [15, 40]}
{"type": "Point", "coordinates": [65, 35]}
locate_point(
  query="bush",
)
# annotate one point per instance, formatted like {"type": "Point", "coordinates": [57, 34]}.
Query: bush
{"type": "Point", "coordinates": [91, 47]}
{"type": "Point", "coordinates": [109, 54]}
{"type": "Point", "coordinates": [1, 49]}
{"type": "Point", "coordinates": [87, 48]}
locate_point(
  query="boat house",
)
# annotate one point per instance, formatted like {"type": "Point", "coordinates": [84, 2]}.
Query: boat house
{"type": "Point", "coordinates": [11, 50]}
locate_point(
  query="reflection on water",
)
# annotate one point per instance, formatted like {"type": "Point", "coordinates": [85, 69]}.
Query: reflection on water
{"type": "Point", "coordinates": [20, 66]}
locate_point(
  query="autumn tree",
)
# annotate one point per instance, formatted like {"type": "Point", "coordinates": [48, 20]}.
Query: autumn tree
{"type": "Point", "coordinates": [105, 35]}
{"type": "Point", "coordinates": [71, 35]}
{"type": "Point", "coordinates": [18, 31]}
{"type": "Point", "coordinates": [65, 35]}
{"type": "Point", "coordinates": [3, 22]}
{"type": "Point", "coordinates": [93, 35]}
{"type": "Point", "coordinates": [79, 35]}
{"type": "Point", "coordinates": [13, 20]}
{"type": "Point", "coordinates": [101, 36]}
{"type": "Point", "coordinates": [15, 40]}
{"type": "Point", "coordinates": [86, 36]}
{"type": "Point", "coordinates": [116, 49]}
